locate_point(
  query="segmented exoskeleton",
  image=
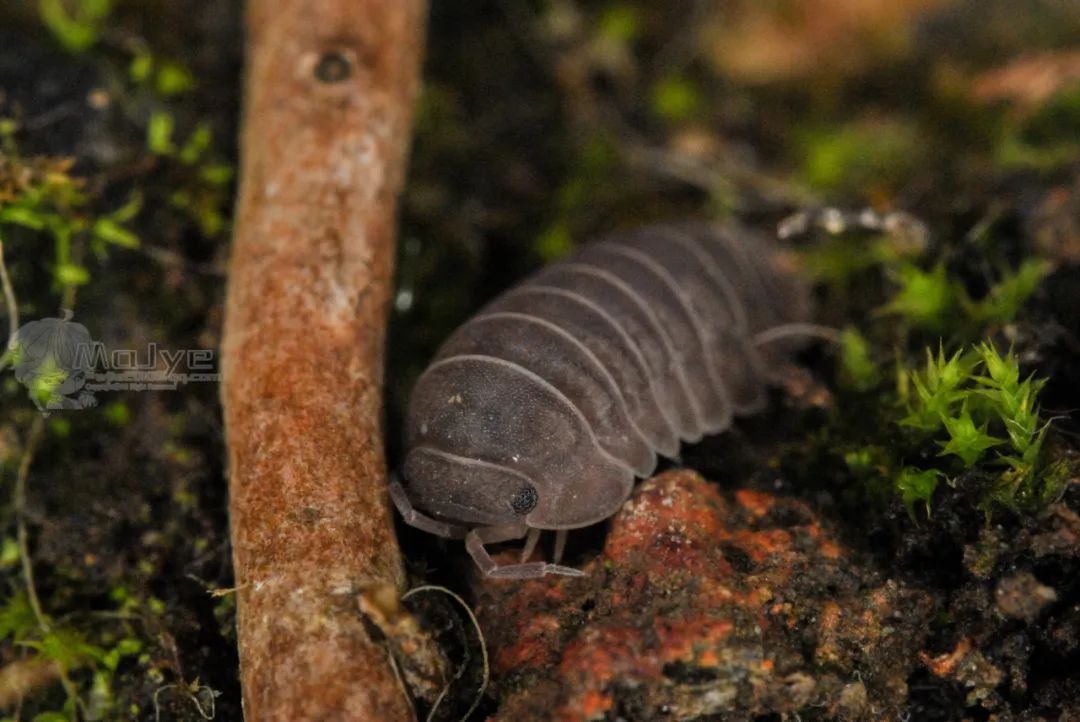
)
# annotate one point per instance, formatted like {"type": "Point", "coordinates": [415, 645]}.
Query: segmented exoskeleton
{"type": "Point", "coordinates": [539, 412]}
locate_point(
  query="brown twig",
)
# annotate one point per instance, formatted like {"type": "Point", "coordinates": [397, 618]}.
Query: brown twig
{"type": "Point", "coordinates": [330, 87]}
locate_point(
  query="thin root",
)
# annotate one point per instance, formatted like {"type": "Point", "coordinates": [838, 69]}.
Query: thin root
{"type": "Point", "coordinates": [464, 665]}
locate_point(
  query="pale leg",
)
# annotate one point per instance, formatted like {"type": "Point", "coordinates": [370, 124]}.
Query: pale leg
{"type": "Point", "coordinates": [477, 538]}
{"type": "Point", "coordinates": [560, 545]}
{"type": "Point", "coordinates": [415, 519]}
{"type": "Point", "coordinates": [530, 544]}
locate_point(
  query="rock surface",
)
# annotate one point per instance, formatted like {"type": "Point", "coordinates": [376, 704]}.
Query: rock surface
{"type": "Point", "coordinates": [700, 605]}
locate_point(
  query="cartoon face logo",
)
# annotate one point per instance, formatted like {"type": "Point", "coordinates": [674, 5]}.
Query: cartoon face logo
{"type": "Point", "coordinates": [52, 358]}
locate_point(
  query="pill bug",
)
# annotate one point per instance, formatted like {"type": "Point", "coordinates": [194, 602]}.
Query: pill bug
{"type": "Point", "coordinates": [539, 412]}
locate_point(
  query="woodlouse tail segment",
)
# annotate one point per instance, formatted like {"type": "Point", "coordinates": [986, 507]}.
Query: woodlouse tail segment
{"type": "Point", "coordinates": [477, 538]}
{"type": "Point", "coordinates": [416, 519]}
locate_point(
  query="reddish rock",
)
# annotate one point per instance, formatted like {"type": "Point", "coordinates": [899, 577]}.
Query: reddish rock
{"type": "Point", "coordinates": [699, 605]}
{"type": "Point", "coordinates": [1022, 596]}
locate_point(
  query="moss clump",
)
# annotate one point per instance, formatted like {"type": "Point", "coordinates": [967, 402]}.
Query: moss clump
{"type": "Point", "coordinates": [971, 412]}
{"type": "Point", "coordinates": [42, 197]}
{"type": "Point", "coordinates": [77, 26]}
{"type": "Point", "coordinates": [977, 409]}
{"type": "Point", "coordinates": [865, 157]}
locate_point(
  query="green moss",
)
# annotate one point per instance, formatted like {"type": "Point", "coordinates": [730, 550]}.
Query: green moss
{"type": "Point", "coordinates": [17, 618]}
{"type": "Point", "coordinates": [967, 440]}
{"type": "Point", "coordinates": [917, 486]}
{"type": "Point", "coordinates": [554, 243]}
{"type": "Point", "coordinates": [173, 78]}
{"type": "Point", "coordinates": [930, 395]}
{"type": "Point", "coordinates": [930, 300]}
{"type": "Point", "coordinates": [159, 133]}
{"type": "Point", "coordinates": [858, 369]}
{"type": "Point", "coordinates": [60, 427]}
{"type": "Point", "coordinates": [860, 157]}
{"type": "Point", "coordinates": [9, 553]}
{"type": "Point", "coordinates": [923, 298]}
{"type": "Point", "coordinates": [75, 25]}
{"type": "Point", "coordinates": [117, 413]}
{"type": "Point", "coordinates": [970, 409]}
{"type": "Point", "coordinates": [676, 98]}
{"type": "Point", "coordinates": [1007, 297]}
{"type": "Point", "coordinates": [587, 185]}
{"type": "Point", "coordinates": [620, 22]}
{"type": "Point", "coordinates": [43, 197]}
{"type": "Point", "coordinates": [1047, 140]}
{"type": "Point", "coordinates": [976, 408]}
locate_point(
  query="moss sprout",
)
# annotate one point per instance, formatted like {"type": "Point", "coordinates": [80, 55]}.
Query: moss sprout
{"type": "Point", "coordinates": [76, 26]}
{"type": "Point", "coordinates": [43, 197]}
{"type": "Point", "coordinates": [976, 407]}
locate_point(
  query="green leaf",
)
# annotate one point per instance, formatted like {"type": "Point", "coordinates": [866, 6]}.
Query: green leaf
{"type": "Point", "coordinates": [24, 216]}
{"type": "Point", "coordinates": [109, 231]}
{"type": "Point", "coordinates": [117, 413]}
{"type": "Point", "coordinates": [173, 78]}
{"type": "Point", "coordinates": [67, 647]}
{"type": "Point", "coordinates": [60, 427]}
{"type": "Point", "coordinates": [1004, 372]}
{"type": "Point", "coordinates": [126, 647]}
{"type": "Point", "coordinates": [924, 298]}
{"type": "Point", "coordinates": [554, 243]}
{"type": "Point", "coordinates": [9, 553]}
{"type": "Point", "coordinates": [676, 98]}
{"type": "Point", "coordinates": [858, 369]}
{"type": "Point", "coordinates": [196, 144]}
{"type": "Point", "coordinates": [17, 617]}
{"type": "Point", "coordinates": [140, 67]}
{"type": "Point", "coordinates": [100, 700]}
{"type": "Point", "coordinates": [216, 174]}
{"type": "Point", "coordinates": [79, 30]}
{"type": "Point", "coordinates": [917, 485]}
{"type": "Point", "coordinates": [868, 152]}
{"type": "Point", "coordinates": [51, 717]}
{"type": "Point", "coordinates": [48, 376]}
{"type": "Point", "coordinates": [932, 394]}
{"type": "Point", "coordinates": [966, 440]}
{"type": "Point", "coordinates": [620, 23]}
{"type": "Point", "coordinates": [1004, 300]}
{"type": "Point", "coordinates": [833, 260]}
{"type": "Point", "coordinates": [70, 274]}
{"type": "Point", "coordinates": [159, 133]}
{"type": "Point", "coordinates": [127, 212]}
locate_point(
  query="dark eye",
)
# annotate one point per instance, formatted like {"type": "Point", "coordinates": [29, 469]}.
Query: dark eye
{"type": "Point", "coordinates": [524, 500]}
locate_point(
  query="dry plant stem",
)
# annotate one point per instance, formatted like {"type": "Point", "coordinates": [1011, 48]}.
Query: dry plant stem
{"type": "Point", "coordinates": [9, 298]}
{"type": "Point", "coordinates": [33, 438]}
{"type": "Point", "coordinates": [22, 537]}
{"type": "Point", "coordinates": [18, 503]}
{"type": "Point", "coordinates": [329, 92]}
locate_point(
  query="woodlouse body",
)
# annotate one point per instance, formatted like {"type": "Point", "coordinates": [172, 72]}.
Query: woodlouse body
{"type": "Point", "coordinates": [539, 411]}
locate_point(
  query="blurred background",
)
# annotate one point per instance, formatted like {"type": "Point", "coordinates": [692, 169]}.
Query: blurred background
{"type": "Point", "coordinates": [541, 124]}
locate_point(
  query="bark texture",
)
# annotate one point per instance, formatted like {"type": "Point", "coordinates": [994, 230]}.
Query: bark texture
{"type": "Point", "coordinates": [330, 88]}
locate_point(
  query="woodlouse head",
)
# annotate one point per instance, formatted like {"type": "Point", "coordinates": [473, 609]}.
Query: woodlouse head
{"type": "Point", "coordinates": [467, 491]}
